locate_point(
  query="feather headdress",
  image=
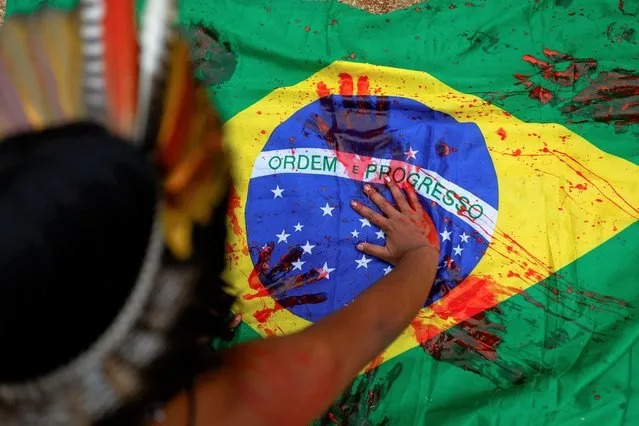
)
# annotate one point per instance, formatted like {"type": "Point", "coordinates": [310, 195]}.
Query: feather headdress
{"type": "Point", "coordinates": [93, 64]}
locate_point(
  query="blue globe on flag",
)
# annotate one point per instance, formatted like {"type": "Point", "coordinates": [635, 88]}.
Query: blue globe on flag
{"type": "Point", "coordinates": [302, 232]}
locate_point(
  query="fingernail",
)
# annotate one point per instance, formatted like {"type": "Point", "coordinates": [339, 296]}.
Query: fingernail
{"type": "Point", "coordinates": [360, 247]}
{"type": "Point", "coordinates": [367, 188]}
{"type": "Point", "coordinates": [354, 203]}
{"type": "Point", "coordinates": [387, 179]}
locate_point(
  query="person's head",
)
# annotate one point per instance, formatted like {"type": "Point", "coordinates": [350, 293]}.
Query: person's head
{"type": "Point", "coordinates": [86, 277]}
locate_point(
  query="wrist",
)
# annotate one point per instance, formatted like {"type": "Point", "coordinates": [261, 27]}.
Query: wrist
{"type": "Point", "coordinates": [422, 257]}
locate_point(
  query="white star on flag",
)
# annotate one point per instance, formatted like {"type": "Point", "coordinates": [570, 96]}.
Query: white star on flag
{"type": "Point", "coordinates": [277, 192]}
{"type": "Point", "coordinates": [298, 265]}
{"type": "Point", "coordinates": [365, 222]}
{"type": "Point", "coordinates": [458, 250]}
{"type": "Point", "coordinates": [380, 235]}
{"type": "Point", "coordinates": [328, 210]}
{"type": "Point", "coordinates": [445, 235]}
{"type": "Point", "coordinates": [307, 247]}
{"type": "Point", "coordinates": [326, 270]}
{"type": "Point", "coordinates": [464, 237]}
{"type": "Point", "coordinates": [363, 262]}
{"type": "Point", "coordinates": [387, 270]}
{"type": "Point", "coordinates": [283, 236]}
{"type": "Point", "coordinates": [355, 234]}
{"type": "Point", "coordinates": [410, 153]}
{"type": "Point", "coordinates": [298, 227]}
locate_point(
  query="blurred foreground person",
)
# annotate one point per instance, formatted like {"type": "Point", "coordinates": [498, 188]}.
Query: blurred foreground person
{"type": "Point", "coordinates": [113, 188]}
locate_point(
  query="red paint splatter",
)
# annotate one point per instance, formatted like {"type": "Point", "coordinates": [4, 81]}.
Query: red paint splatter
{"type": "Point", "coordinates": [333, 420]}
{"type": "Point", "coordinates": [322, 90]}
{"type": "Point", "coordinates": [517, 153]}
{"type": "Point", "coordinates": [609, 98]}
{"type": "Point", "coordinates": [442, 149]}
{"type": "Point", "coordinates": [363, 86]}
{"type": "Point", "coordinates": [234, 203]}
{"type": "Point", "coordinates": [307, 29]}
{"type": "Point", "coordinates": [467, 300]}
{"type": "Point", "coordinates": [362, 399]}
{"type": "Point", "coordinates": [333, 22]}
{"type": "Point", "coordinates": [352, 55]}
{"type": "Point", "coordinates": [542, 95]}
{"type": "Point", "coordinates": [502, 133]}
{"type": "Point", "coordinates": [452, 6]}
{"type": "Point", "coordinates": [376, 362]}
{"type": "Point", "coordinates": [423, 332]}
{"type": "Point", "coordinates": [345, 84]}
{"type": "Point", "coordinates": [468, 344]}
{"type": "Point", "coordinates": [288, 302]}
{"type": "Point", "coordinates": [536, 62]}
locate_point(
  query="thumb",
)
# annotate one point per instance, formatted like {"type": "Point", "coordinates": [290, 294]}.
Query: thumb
{"type": "Point", "coordinates": [374, 250]}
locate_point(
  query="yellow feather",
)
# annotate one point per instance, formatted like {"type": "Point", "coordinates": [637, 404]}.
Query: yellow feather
{"type": "Point", "coordinates": [21, 69]}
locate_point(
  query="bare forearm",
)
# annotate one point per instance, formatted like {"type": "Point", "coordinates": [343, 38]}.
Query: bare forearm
{"type": "Point", "coordinates": [362, 330]}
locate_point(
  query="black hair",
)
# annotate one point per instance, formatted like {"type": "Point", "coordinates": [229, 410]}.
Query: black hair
{"type": "Point", "coordinates": [76, 211]}
{"type": "Point", "coordinates": [77, 206]}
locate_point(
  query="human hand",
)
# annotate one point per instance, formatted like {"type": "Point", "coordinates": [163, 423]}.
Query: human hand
{"type": "Point", "coordinates": [407, 226]}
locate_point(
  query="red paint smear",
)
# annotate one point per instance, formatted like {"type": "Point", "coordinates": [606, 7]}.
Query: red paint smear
{"type": "Point", "coordinates": [264, 314]}
{"type": "Point", "coordinates": [376, 362]}
{"type": "Point", "coordinates": [288, 302]}
{"type": "Point", "coordinates": [363, 86]}
{"type": "Point", "coordinates": [332, 418]}
{"type": "Point", "coordinates": [345, 84]}
{"type": "Point", "coordinates": [262, 263]}
{"type": "Point", "coordinates": [542, 95]}
{"type": "Point", "coordinates": [609, 98]}
{"type": "Point", "coordinates": [423, 331]}
{"type": "Point", "coordinates": [442, 149]}
{"type": "Point", "coordinates": [536, 62]}
{"type": "Point", "coordinates": [467, 344]}
{"type": "Point", "coordinates": [234, 203]}
{"type": "Point", "coordinates": [472, 296]}
{"type": "Point", "coordinates": [502, 133]}
{"type": "Point", "coordinates": [556, 56]}
{"type": "Point", "coordinates": [352, 55]}
{"type": "Point", "coordinates": [635, 211]}
{"type": "Point", "coordinates": [322, 90]}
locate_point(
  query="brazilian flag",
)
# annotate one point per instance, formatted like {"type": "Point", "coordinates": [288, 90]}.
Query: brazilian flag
{"type": "Point", "coordinates": [518, 125]}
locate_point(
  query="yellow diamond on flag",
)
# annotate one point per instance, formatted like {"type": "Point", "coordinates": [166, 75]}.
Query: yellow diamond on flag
{"type": "Point", "coordinates": [558, 195]}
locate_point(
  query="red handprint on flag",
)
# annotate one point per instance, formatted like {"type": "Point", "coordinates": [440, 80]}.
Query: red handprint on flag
{"type": "Point", "coordinates": [604, 96]}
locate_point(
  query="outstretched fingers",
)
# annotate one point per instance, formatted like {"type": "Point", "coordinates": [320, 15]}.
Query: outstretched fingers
{"type": "Point", "coordinates": [412, 197]}
{"type": "Point", "coordinates": [374, 250]}
{"type": "Point", "coordinates": [372, 216]}
{"type": "Point", "coordinates": [380, 201]}
{"type": "Point", "coordinates": [398, 196]}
